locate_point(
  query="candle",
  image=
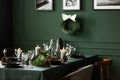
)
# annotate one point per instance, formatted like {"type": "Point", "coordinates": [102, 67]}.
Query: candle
{"type": "Point", "coordinates": [19, 53]}
{"type": "Point", "coordinates": [19, 50]}
{"type": "Point", "coordinates": [63, 53]}
{"type": "Point", "coordinates": [63, 50]}
{"type": "Point", "coordinates": [37, 50]}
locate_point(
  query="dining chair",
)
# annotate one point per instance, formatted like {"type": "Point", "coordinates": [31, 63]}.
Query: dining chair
{"type": "Point", "coordinates": [83, 73]}
{"type": "Point", "coordinates": [104, 63]}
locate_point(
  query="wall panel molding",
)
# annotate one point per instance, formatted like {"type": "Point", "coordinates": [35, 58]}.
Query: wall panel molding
{"type": "Point", "coordinates": [78, 44]}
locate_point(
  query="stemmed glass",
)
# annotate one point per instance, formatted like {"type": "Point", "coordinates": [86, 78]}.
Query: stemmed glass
{"type": "Point", "coordinates": [70, 49]}
{"type": "Point", "coordinates": [31, 55]}
{"type": "Point", "coordinates": [24, 58]}
{"type": "Point", "coordinates": [1, 64]}
{"type": "Point", "coordinates": [27, 58]}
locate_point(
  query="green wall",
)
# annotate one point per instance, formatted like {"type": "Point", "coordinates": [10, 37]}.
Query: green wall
{"type": "Point", "coordinates": [99, 32]}
{"type": "Point", "coordinates": [5, 24]}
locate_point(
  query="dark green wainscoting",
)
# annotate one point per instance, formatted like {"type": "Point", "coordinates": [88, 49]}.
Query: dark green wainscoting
{"type": "Point", "coordinates": [99, 33]}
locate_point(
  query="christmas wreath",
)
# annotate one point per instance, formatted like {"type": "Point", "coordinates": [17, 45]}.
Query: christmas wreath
{"type": "Point", "coordinates": [70, 27]}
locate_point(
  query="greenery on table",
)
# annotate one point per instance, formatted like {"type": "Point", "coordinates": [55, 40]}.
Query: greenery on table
{"type": "Point", "coordinates": [39, 60]}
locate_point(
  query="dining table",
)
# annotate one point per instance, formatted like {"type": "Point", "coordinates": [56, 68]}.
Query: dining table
{"type": "Point", "coordinates": [53, 72]}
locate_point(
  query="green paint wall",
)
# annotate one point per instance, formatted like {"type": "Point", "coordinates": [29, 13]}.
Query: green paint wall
{"type": "Point", "coordinates": [5, 24]}
{"type": "Point", "coordinates": [99, 32]}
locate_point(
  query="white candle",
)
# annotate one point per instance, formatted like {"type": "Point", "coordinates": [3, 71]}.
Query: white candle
{"type": "Point", "coordinates": [63, 52]}
{"type": "Point", "coordinates": [19, 50]}
{"type": "Point", "coordinates": [19, 53]}
{"type": "Point", "coordinates": [37, 50]}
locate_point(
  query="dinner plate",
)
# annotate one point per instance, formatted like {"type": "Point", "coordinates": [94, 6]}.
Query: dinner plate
{"type": "Point", "coordinates": [56, 62]}
{"type": "Point", "coordinates": [77, 56]}
{"type": "Point", "coordinates": [11, 66]}
{"type": "Point", "coordinates": [8, 65]}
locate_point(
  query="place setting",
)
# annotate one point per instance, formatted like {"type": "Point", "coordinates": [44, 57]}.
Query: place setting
{"type": "Point", "coordinates": [54, 53]}
{"type": "Point", "coordinates": [16, 58]}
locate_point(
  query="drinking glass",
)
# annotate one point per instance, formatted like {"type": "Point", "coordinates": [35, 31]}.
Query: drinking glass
{"type": "Point", "coordinates": [31, 55]}
{"type": "Point", "coordinates": [24, 59]}
{"type": "Point", "coordinates": [1, 64]}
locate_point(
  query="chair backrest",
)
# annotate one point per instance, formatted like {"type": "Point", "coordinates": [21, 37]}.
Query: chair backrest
{"type": "Point", "coordinates": [83, 73]}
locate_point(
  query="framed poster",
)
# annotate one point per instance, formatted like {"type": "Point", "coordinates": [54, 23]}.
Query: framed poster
{"type": "Point", "coordinates": [44, 4]}
{"type": "Point", "coordinates": [71, 4]}
{"type": "Point", "coordinates": [106, 4]}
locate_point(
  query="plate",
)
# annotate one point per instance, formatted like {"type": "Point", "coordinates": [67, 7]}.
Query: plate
{"type": "Point", "coordinates": [77, 56]}
{"type": "Point", "coordinates": [56, 62]}
{"type": "Point", "coordinates": [12, 65]}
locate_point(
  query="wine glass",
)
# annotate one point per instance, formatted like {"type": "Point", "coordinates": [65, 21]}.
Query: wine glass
{"type": "Point", "coordinates": [1, 64]}
{"type": "Point", "coordinates": [24, 59]}
{"type": "Point", "coordinates": [31, 55]}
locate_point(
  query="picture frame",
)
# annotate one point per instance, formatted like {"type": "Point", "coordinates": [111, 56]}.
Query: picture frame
{"type": "Point", "coordinates": [71, 4]}
{"type": "Point", "coordinates": [106, 4]}
{"type": "Point", "coordinates": [44, 4]}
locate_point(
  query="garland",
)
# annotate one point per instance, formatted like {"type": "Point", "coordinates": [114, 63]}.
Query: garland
{"type": "Point", "coordinates": [70, 27]}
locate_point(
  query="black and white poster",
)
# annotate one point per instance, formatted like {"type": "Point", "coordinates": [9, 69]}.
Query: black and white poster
{"type": "Point", "coordinates": [44, 4]}
{"type": "Point", "coordinates": [106, 4]}
{"type": "Point", "coordinates": [71, 4]}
